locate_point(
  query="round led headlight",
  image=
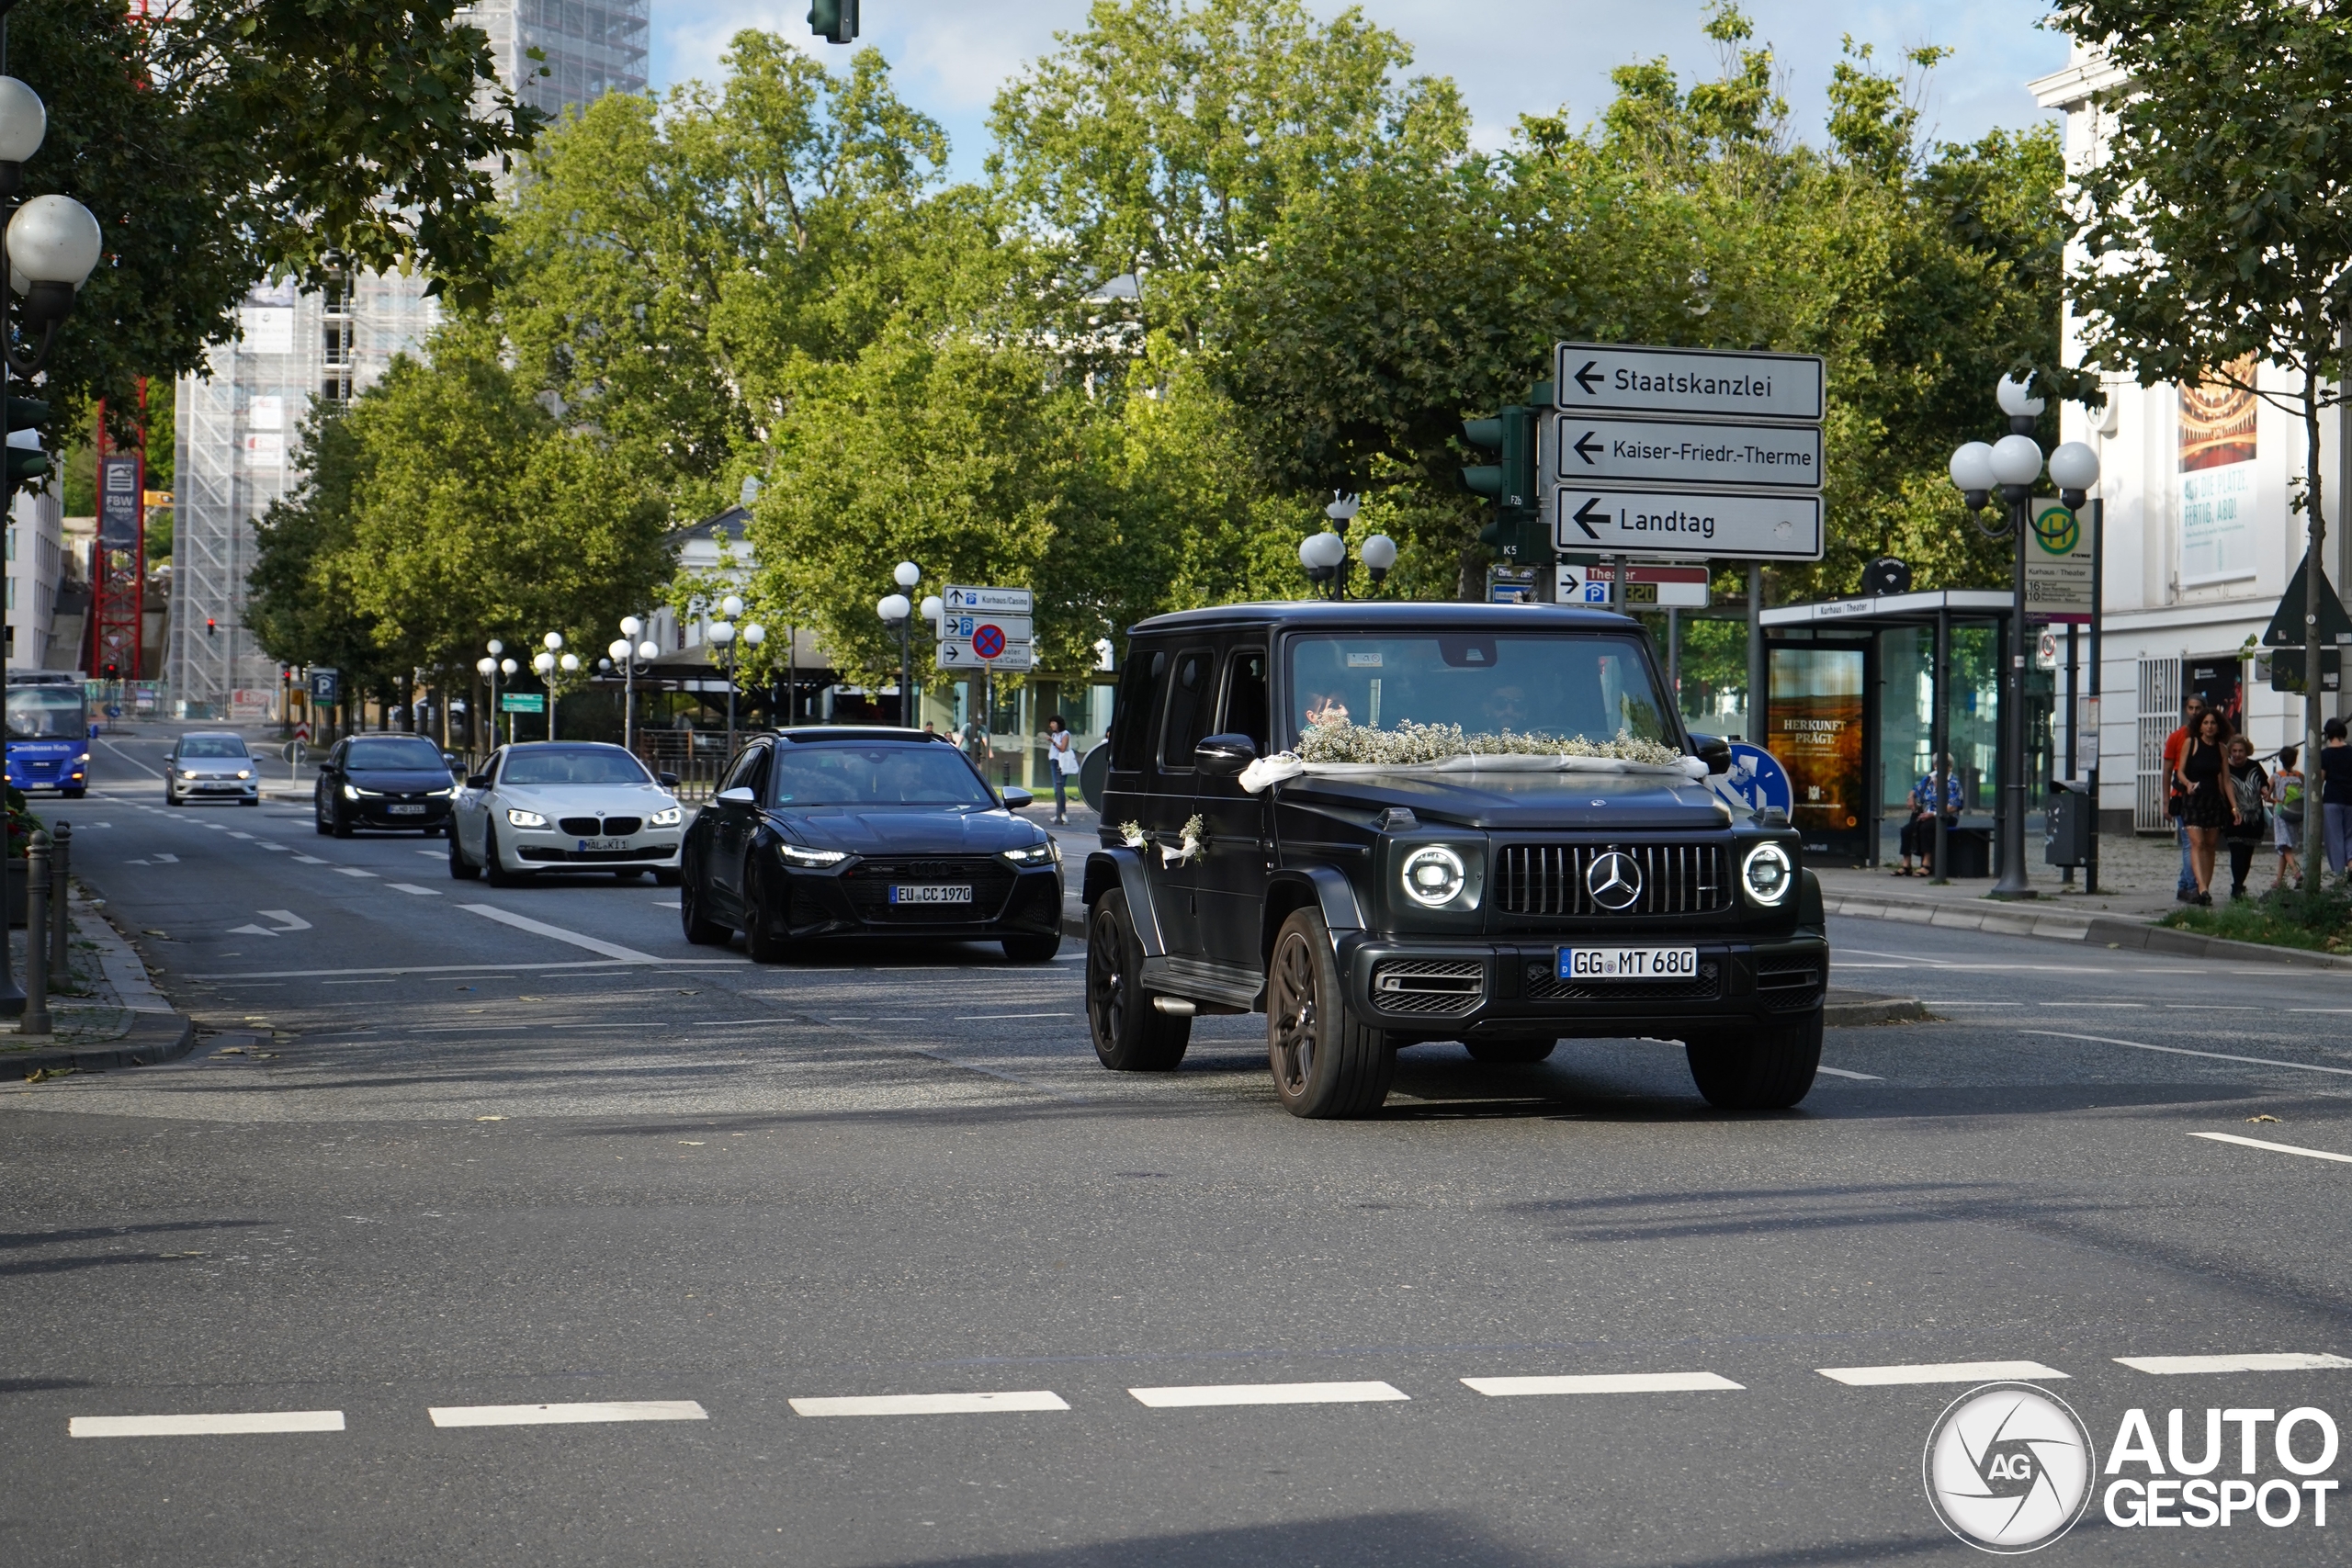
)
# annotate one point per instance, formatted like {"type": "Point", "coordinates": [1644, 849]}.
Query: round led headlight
{"type": "Point", "coordinates": [1765, 873]}
{"type": "Point", "coordinates": [1433, 875]}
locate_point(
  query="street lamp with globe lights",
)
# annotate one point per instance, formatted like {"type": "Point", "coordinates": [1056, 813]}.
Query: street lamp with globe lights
{"type": "Point", "coordinates": [2011, 466]}
{"type": "Point", "coordinates": [898, 611]}
{"type": "Point", "coordinates": [1325, 556]}
{"type": "Point", "coordinates": [721, 636]}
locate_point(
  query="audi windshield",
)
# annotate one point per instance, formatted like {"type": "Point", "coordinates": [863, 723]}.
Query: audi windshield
{"type": "Point", "coordinates": [925, 774]}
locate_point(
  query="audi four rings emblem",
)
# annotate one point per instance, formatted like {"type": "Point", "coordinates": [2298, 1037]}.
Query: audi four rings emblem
{"type": "Point", "coordinates": [1614, 880]}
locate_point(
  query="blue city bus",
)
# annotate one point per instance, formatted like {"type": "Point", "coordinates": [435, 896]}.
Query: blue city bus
{"type": "Point", "coordinates": [49, 733]}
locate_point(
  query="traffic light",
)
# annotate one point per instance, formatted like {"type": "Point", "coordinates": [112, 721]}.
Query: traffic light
{"type": "Point", "coordinates": [1510, 480]}
{"type": "Point", "coordinates": [835, 21]}
{"type": "Point", "coordinates": [27, 465]}
{"type": "Point", "coordinates": [211, 626]}
{"type": "Point", "coordinates": [112, 672]}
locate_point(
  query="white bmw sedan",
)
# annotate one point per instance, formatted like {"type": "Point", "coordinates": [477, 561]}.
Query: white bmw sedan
{"type": "Point", "coordinates": [565, 805]}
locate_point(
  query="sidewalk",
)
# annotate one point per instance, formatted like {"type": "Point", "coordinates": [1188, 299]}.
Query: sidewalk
{"type": "Point", "coordinates": [106, 1014]}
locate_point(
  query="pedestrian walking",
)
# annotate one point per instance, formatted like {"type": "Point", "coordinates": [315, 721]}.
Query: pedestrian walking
{"type": "Point", "coordinates": [1061, 753]}
{"type": "Point", "coordinates": [2249, 788]}
{"type": "Point", "coordinates": [2287, 795]}
{"type": "Point", "coordinates": [2208, 806]}
{"type": "Point", "coordinates": [2334, 769]}
{"type": "Point", "coordinates": [2174, 803]}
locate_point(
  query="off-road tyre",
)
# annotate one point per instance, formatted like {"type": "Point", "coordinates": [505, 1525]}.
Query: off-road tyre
{"type": "Point", "coordinates": [1762, 1067]}
{"type": "Point", "coordinates": [1130, 1034]}
{"type": "Point", "coordinates": [1327, 1062]}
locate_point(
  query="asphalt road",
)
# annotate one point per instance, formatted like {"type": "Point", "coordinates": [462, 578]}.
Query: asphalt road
{"type": "Point", "coordinates": [576, 1163]}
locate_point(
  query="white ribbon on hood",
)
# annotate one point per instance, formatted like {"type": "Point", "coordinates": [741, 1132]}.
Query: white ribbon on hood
{"type": "Point", "coordinates": [1270, 770]}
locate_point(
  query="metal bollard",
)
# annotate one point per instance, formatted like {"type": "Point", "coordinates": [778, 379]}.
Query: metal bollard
{"type": "Point", "coordinates": [35, 1019]}
{"type": "Point", "coordinates": [61, 958]}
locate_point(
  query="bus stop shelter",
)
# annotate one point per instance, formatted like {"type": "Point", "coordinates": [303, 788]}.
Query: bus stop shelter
{"type": "Point", "coordinates": [1862, 694]}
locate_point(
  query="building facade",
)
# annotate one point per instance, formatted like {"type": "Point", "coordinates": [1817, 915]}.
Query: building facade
{"type": "Point", "coordinates": [35, 557]}
{"type": "Point", "coordinates": [2199, 487]}
{"type": "Point", "coordinates": [239, 421]}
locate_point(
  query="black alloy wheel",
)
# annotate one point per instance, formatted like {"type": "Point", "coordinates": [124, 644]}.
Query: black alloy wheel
{"type": "Point", "coordinates": [319, 815]}
{"type": "Point", "coordinates": [700, 931]}
{"type": "Point", "coordinates": [342, 820]}
{"type": "Point", "coordinates": [1130, 1034]}
{"type": "Point", "coordinates": [1761, 1068]}
{"type": "Point", "coordinates": [760, 939]}
{"type": "Point", "coordinates": [460, 868]}
{"type": "Point", "coordinates": [1327, 1062]}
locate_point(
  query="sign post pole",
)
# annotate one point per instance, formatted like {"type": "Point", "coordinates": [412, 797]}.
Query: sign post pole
{"type": "Point", "coordinates": [2098, 550]}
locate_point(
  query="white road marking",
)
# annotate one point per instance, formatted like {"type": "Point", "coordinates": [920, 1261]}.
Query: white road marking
{"type": "Point", "coordinates": [1966, 1002]}
{"type": "Point", "coordinates": [494, 968]}
{"type": "Point", "coordinates": [665, 903]}
{"type": "Point", "coordinates": [215, 828]}
{"type": "Point", "coordinates": [432, 855]}
{"type": "Point", "coordinates": [1200, 1395]}
{"type": "Point", "coordinates": [250, 930]}
{"type": "Point", "coordinates": [310, 860]}
{"type": "Point", "coordinates": [539, 928]}
{"type": "Point", "coordinates": [1938, 1372]}
{"type": "Point", "coordinates": [2210, 1056]}
{"type": "Point", "coordinates": [1842, 1073]}
{"type": "Point", "coordinates": [264, 843]}
{"type": "Point", "coordinates": [986, 1017]}
{"type": "Point", "coordinates": [353, 870]}
{"type": "Point", "coordinates": [1602, 1382]}
{"type": "Point", "coordinates": [225, 1425]}
{"type": "Point", "coordinates": [567, 1415]}
{"type": "Point", "coordinates": [132, 761]}
{"type": "Point", "coordinates": [930, 1404]}
{"type": "Point", "coordinates": [2260, 1361]}
{"type": "Point", "coordinates": [2274, 1148]}
{"type": "Point", "coordinates": [412, 887]}
{"type": "Point", "coordinates": [167, 860]}
{"type": "Point", "coordinates": [287, 921]}
{"type": "Point", "coordinates": [237, 835]}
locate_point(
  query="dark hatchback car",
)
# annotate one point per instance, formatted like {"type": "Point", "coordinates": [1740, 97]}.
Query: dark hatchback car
{"type": "Point", "coordinates": [1370, 908]}
{"type": "Point", "coordinates": [831, 832]}
{"type": "Point", "coordinates": [384, 780]}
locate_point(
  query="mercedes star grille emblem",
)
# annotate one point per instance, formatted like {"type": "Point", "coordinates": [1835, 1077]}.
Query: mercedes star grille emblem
{"type": "Point", "coordinates": [1614, 880]}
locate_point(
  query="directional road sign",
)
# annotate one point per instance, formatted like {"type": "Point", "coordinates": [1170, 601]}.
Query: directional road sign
{"type": "Point", "coordinates": [1666, 452]}
{"type": "Point", "coordinates": [961, 597]}
{"type": "Point", "coordinates": [1667, 587]}
{"type": "Point", "coordinates": [326, 685]}
{"type": "Point", "coordinates": [960, 653]}
{"type": "Point", "coordinates": [1007, 628]}
{"type": "Point", "coordinates": [522, 702]}
{"type": "Point", "coordinates": [1627, 520]}
{"type": "Point", "coordinates": [1692, 383]}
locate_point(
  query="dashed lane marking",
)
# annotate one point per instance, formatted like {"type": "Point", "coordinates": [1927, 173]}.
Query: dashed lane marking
{"type": "Point", "coordinates": [310, 860]}
{"type": "Point", "coordinates": [222, 1425]}
{"type": "Point", "coordinates": [430, 854]}
{"type": "Point", "coordinates": [237, 835]}
{"type": "Point", "coordinates": [931, 1403]}
{"type": "Point", "coordinates": [1938, 1372]}
{"type": "Point", "coordinates": [567, 1415]}
{"type": "Point", "coordinates": [412, 887]}
{"type": "Point", "coordinates": [1843, 1073]}
{"type": "Point", "coordinates": [2212, 1056]}
{"type": "Point", "coordinates": [2261, 1361]}
{"type": "Point", "coordinates": [1198, 1395]}
{"type": "Point", "coordinates": [2274, 1148]}
{"type": "Point", "coordinates": [987, 1017]}
{"type": "Point", "coordinates": [576, 939]}
{"type": "Point", "coordinates": [1602, 1382]}
{"type": "Point", "coordinates": [354, 871]}
{"type": "Point", "coordinates": [266, 844]}
{"type": "Point", "coordinates": [490, 967]}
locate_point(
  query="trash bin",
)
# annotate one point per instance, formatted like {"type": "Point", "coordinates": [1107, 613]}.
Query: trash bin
{"type": "Point", "coordinates": [2072, 820]}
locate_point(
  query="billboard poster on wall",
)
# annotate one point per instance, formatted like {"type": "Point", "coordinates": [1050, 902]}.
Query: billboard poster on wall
{"type": "Point", "coordinates": [1818, 732]}
{"type": "Point", "coordinates": [2217, 479]}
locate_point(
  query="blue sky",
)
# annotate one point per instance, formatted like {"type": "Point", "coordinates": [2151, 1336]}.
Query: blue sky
{"type": "Point", "coordinates": [1510, 57]}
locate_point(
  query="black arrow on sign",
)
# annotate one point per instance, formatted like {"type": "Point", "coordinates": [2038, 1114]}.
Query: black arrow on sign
{"type": "Point", "coordinates": [1585, 516]}
{"type": "Point", "coordinates": [1586, 380]}
{"type": "Point", "coordinates": [1585, 446]}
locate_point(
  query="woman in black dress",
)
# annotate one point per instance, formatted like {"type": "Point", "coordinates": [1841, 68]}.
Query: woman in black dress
{"type": "Point", "coordinates": [2203, 779]}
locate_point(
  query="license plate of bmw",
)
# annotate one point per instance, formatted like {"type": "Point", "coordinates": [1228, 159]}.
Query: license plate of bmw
{"type": "Point", "coordinates": [1629, 962]}
{"type": "Point", "coordinates": [930, 894]}
{"type": "Point", "coordinates": [604, 843]}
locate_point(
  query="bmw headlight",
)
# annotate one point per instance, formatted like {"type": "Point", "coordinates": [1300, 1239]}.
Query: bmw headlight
{"type": "Point", "coordinates": [794, 854]}
{"type": "Point", "coordinates": [668, 817]}
{"type": "Point", "coordinates": [1433, 876]}
{"type": "Point", "coordinates": [1034, 854]}
{"type": "Point", "coordinates": [1765, 874]}
{"type": "Point", "coordinates": [525, 818]}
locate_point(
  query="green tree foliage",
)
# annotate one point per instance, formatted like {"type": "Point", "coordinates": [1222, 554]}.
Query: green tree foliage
{"type": "Point", "coordinates": [2219, 224]}
{"type": "Point", "coordinates": [220, 143]}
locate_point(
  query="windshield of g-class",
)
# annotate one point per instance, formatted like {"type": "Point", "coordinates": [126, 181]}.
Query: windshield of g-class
{"type": "Point", "coordinates": [402, 752]}
{"type": "Point", "coordinates": [884, 774]}
{"type": "Point", "coordinates": [1564, 686]}
{"type": "Point", "coordinates": [46, 713]}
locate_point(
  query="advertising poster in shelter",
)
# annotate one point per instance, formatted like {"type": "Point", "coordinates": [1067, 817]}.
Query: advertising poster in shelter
{"type": "Point", "coordinates": [2217, 479]}
{"type": "Point", "coordinates": [1817, 726]}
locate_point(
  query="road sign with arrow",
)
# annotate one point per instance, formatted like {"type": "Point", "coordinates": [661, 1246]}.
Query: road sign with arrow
{"type": "Point", "coordinates": [1662, 521]}
{"type": "Point", "coordinates": [1782, 456]}
{"type": "Point", "coordinates": [1690, 382]}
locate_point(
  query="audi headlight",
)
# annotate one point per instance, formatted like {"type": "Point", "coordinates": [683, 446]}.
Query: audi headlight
{"type": "Point", "coordinates": [1765, 876]}
{"type": "Point", "coordinates": [1435, 876]}
{"type": "Point", "coordinates": [525, 818]}
{"type": "Point", "coordinates": [668, 817]}
{"type": "Point", "coordinates": [793, 854]}
{"type": "Point", "coordinates": [1034, 854]}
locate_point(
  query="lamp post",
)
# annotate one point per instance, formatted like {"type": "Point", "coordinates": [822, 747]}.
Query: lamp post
{"type": "Point", "coordinates": [52, 245]}
{"type": "Point", "coordinates": [896, 611]}
{"type": "Point", "coordinates": [2011, 466]}
{"type": "Point", "coordinates": [907, 574]}
{"type": "Point", "coordinates": [722, 637]}
{"type": "Point", "coordinates": [1325, 555]}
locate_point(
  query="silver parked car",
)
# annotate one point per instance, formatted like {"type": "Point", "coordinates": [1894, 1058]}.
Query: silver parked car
{"type": "Point", "coordinates": [565, 805]}
{"type": "Point", "coordinates": [214, 766]}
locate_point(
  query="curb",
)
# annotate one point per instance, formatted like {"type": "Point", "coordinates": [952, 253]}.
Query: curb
{"type": "Point", "coordinates": [1853, 1009]}
{"type": "Point", "coordinates": [154, 1038]}
{"type": "Point", "coordinates": [2191, 944]}
{"type": "Point", "coordinates": [2003, 919]}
